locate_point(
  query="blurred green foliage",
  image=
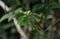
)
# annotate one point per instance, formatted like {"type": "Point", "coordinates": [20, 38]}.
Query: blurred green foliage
{"type": "Point", "coordinates": [38, 13]}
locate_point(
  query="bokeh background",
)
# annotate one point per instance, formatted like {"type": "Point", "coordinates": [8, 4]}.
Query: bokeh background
{"type": "Point", "coordinates": [38, 19]}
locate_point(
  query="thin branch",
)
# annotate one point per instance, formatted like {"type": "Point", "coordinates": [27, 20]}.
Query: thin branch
{"type": "Point", "coordinates": [19, 29]}
{"type": "Point", "coordinates": [5, 7]}
{"type": "Point", "coordinates": [53, 24]}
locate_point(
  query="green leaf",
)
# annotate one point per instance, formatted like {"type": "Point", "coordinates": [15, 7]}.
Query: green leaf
{"type": "Point", "coordinates": [38, 7]}
{"type": "Point", "coordinates": [11, 17]}
{"type": "Point", "coordinates": [28, 21]}
{"type": "Point", "coordinates": [19, 10]}
{"type": "Point", "coordinates": [22, 21]}
{"type": "Point", "coordinates": [4, 17]}
{"type": "Point", "coordinates": [54, 5]}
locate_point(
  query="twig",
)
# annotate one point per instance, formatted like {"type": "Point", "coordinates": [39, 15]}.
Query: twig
{"type": "Point", "coordinates": [5, 7]}
{"type": "Point", "coordinates": [19, 29]}
{"type": "Point", "coordinates": [53, 24]}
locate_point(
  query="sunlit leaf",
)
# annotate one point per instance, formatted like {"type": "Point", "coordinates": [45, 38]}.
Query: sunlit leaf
{"type": "Point", "coordinates": [4, 17]}
{"type": "Point", "coordinates": [11, 17]}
